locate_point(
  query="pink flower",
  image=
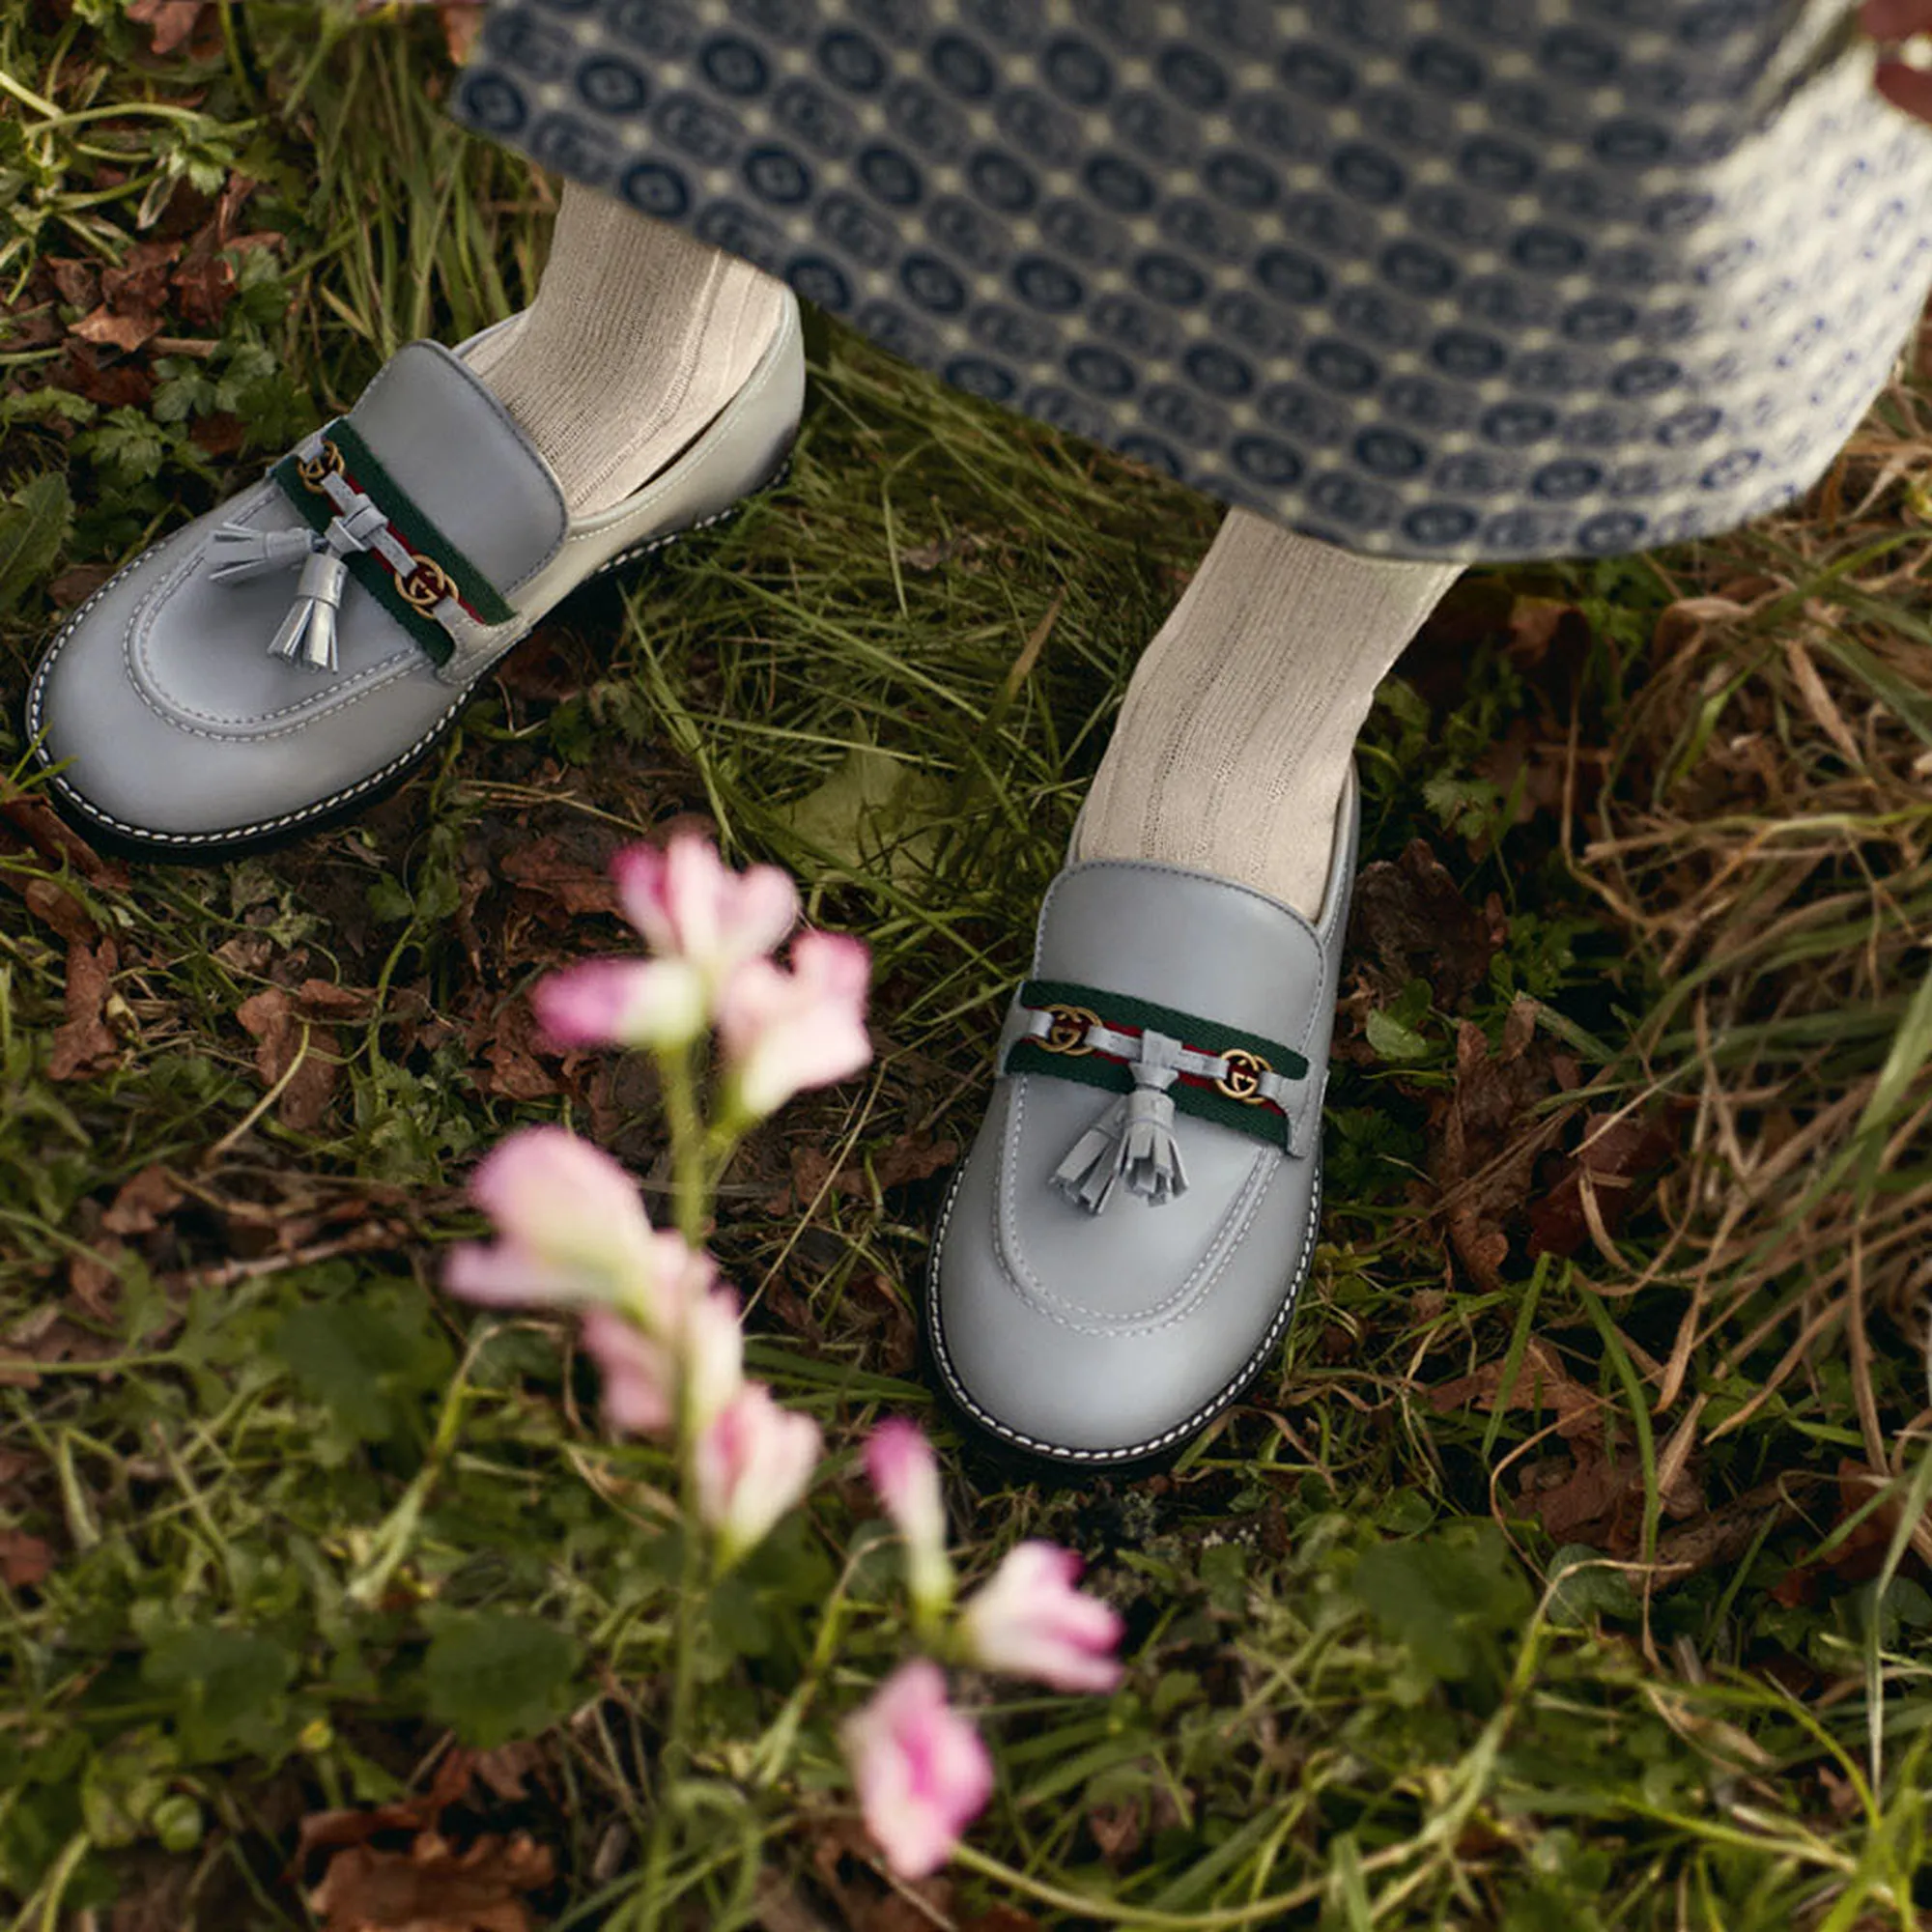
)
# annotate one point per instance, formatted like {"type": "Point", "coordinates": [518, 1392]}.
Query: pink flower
{"type": "Point", "coordinates": [690, 905]}
{"type": "Point", "coordinates": [1030, 1621]}
{"type": "Point", "coordinates": [904, 1475]}
{"type": "Point", "coordinates": [750, 1466]}
{"type": "Point", "coordinates": [621, 1002]}
{"type": "Point", "coordinates": [711, 1347]}
{"type": "Point", "coordinates": [639, 1376]}
{"type": "Point", "coordinates": [572, 1229]}
{"type": "Point", "coordinates": [922, 1772]}
{"type": "Point", "coordinates": [786, 1031]}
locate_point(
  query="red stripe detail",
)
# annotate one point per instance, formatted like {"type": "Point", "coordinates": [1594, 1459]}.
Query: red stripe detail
{"type": "Point", "coordinates": [394, 573]}
{"type": "Point", "coordinates": [1197, 1080]}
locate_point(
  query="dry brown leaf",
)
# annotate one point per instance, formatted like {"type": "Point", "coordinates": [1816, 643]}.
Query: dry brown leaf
{"type": "Point", "coordinates": [126, 332]}
{"type": "Point", "coordinates": [143, 1202]}
{"type": "Point", "coordinates": [423, 1812]}
{"type": "Point", "coordinates": [1541, 1381]}
{"type": "Point", "coordinates": [84, 1043]}
{"type": "Point", "coordinates": [1411, 917]}
{"type": "Point", "coordinates": [282, 1039]}
{"type": "Point", "coordinates": [25, 1561]}
{"type": "Point", "coordinates": [434, 1887]}
{"type": "Point", "coordinates": [1617, 1154]}
{"type": "Point", "coordinates": [1489, 1141]}
{"type": "Point", "coordinates": [77, 282]}
{"type": "Point", "coordinates": [173, 21]}
{"type": "Point", "coordinates": [137, 285]}
{"type": "Point", "coordinates": [578, 885]}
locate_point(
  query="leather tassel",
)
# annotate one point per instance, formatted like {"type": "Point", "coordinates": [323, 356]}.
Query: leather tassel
{"type": "Point", "coordinates": [307, 633]}
{"type": "Point", "coordinates": [1133, 1142]}
{"type": "Point", "coordinates": [1151, 1162]}
{"type": "Point", "coordinates": [1093, 1164]}
{"type": "Point", "coordinates": [241, 552]}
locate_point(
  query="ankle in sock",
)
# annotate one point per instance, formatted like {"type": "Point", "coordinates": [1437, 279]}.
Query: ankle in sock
{"type": "Point", "coordinates": [638, 337]}
{"type": "Point", "coordinates": [1238, 728]}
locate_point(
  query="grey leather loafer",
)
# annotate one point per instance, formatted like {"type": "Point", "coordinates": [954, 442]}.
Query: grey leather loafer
{"type": "Point", "coordinates": [1122, 1250]}
{"type": "Point", "coordinates": [297, 651]}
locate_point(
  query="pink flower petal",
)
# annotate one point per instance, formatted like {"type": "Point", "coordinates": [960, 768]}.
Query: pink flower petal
{"type": "Point", "coordinates": [712, 1345]}
{"type": "Point", "coordinates": [621, 1002]}
{"type": "Point", "coordinates": [750, 1466]}
{"type": "Point", "coordinates": [1030, 1621]}
{"type": "Point", "coordinates": [505, 1275]}
{"type": "Point", "coordinates": [567, 1204]}
{"type": "Point", "coordinates": [639, 1376]}
{"type": "Point", "coordinates": [923, 1774]}
{"type": "Point", "coordinates": [783, 1032]}
{"type": "Point", "coordinates": [904, 1475]}
{"type": "Point", "coordinates": [690, 905]}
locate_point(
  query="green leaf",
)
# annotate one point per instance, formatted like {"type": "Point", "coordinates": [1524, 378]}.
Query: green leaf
{"type": "Point", "coordinates": [1392, 1040]}
{"type": "Point", "coordinates": [229, 1684]}
{"type": "Point", "coordinates": [492, 1677]}
{"type": "Point", "coordinates": [123, 1785]}
{"type": "Point", "coordinates": [34, 524]}
{"type": "Point", "coordinates": [1587, 1587]}
{"type": "Point", "coordinates": [1445, 1597]}
{"type": "Point", "coordinates": [875, 812]}
{"type": "Point", "coordinates": [368, 1363]}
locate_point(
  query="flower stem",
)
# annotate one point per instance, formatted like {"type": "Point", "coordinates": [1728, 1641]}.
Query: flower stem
{"type": "Point", "coordinates": [692, 1184]}
{"type": "Point", "coordinates": [688, 1161]}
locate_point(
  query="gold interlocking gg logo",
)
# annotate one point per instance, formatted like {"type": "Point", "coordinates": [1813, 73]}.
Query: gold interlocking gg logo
{"type": "Point", "coordinates": [426, 586]}
{"type": "Point", "coordinates": [1067, 1033]}
{"type": "Point", "coordinates": [314, 470]}
{"type": "Point", "coordinates": [1243, 1079]}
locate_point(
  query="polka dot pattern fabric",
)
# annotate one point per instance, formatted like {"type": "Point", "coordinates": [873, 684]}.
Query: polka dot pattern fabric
{"type": "Point", "coordinates": [1451, 279]}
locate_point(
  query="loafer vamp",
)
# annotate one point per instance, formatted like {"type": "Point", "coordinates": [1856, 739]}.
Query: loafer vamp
{"type": "Point", "coordinates": [167, 717]}
{"type": "Point", "coordinates": [1103, 1337]}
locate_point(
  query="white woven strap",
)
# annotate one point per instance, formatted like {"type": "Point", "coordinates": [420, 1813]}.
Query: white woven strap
{"type": "Point", "coordinates": [1100, 1038]}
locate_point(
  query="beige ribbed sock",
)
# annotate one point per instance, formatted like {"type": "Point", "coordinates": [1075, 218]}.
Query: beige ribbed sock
{"type": "Point", "coordinates": [1235, 737]}
{"type": "Point", "coordinates": [638, 337]}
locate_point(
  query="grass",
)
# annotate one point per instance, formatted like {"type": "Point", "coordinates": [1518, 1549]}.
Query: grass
{"type": "Point", "coordinates": [1568, 1570]}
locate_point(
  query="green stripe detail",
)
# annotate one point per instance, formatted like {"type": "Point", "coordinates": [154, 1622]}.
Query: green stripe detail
{"type": "Point", "coordinates": [1117, 1009]}
{"type": "Point", "coordinates": [1261, 1124]}
{"type": "Point", "coordinates": [417, 530]}
{"type": "Point", "coordinates": [411, 524]}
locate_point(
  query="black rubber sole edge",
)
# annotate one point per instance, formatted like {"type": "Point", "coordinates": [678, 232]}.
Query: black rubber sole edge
{"type": "Point", "coordinates": [116, 840]}
{"type": "Point", "coordinates": [1027, 1454]}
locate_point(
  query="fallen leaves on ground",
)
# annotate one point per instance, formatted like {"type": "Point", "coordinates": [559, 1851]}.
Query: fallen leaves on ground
{"type": "Point", "coordinates": [1589, 1494]}
{"type": "Point", "coordinates": [846, 1868]}
{"type": "Point", "coordinates": [174, 24]}
{"type": "Point", "coordinates": [1488, 1140]}
{"type": "Point", "coordinates": [302, 1058]}
{"type": "Point", "coordinates": [434, 1887]}
{"type": "Point", "coordinates": [25, 1561]}
{"type": "Point", "coordinates": [84, 1042]}
{"type": "Point", "coordinates": [1411, 917]}
{"type": "Point", "coordinates": [1600, 1179]}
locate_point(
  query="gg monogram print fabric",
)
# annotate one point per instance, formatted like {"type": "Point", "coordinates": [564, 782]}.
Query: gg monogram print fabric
{"type": "Point", "coordinates": [1470, 280]}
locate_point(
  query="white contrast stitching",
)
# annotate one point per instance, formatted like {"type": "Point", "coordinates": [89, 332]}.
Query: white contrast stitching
{"type": "Point", "coordinates": [1153, 1445]}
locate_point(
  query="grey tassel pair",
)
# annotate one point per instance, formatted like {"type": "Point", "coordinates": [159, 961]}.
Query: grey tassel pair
{"type": "Point", "coordinates": [1133, 1142]}
{"type": "Point", "coordinates": [307, 633]}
